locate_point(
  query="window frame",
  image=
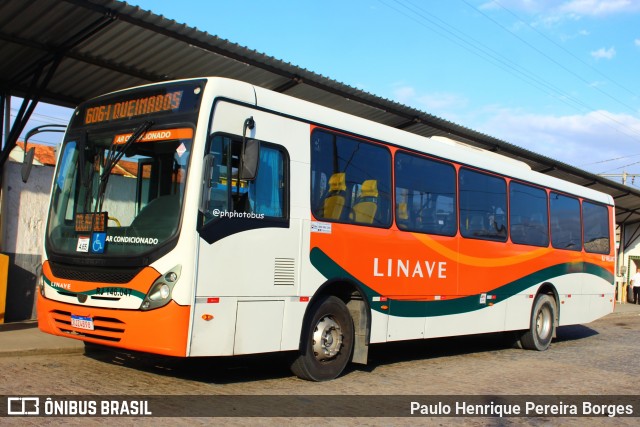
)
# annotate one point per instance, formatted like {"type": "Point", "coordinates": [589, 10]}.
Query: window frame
{"type": "Point", "coordinates": [546, 213]}
{"type": "Point", "coordinates": [584, 228]}
{"type": "Point", "coordinates": [579, 248]}
{"type": "Point", "coordinates": [213, 229]}
{"type": "Point", "coordinates": [454, 176]}
{"type": "Point", "coordinates": [501, 178]}
{"type": "Point", "coordinates": [350, 190]}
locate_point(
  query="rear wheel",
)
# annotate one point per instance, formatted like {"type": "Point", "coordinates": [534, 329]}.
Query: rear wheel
{"type": "Point", "coordinates": [542, 326]}
{"type": "Point", "coordinates": [327, 341]}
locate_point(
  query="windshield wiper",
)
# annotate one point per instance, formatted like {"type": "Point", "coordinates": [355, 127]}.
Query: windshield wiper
{"type": "Point", "coordinates": [115, 155]}
{"type": "Point", "coordinates": [85, 182]}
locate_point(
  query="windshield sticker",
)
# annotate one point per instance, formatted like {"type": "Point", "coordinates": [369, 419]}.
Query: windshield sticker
{"type": "Point", "coordinates": [83, 244]}
{"type": "Point", "coordinates": [320, 227]}
{"type": "Point", "coordinates": [132, 240]}
{"type": "Point", "coordinates": [98, 242]}
{"type": "Point", "coordinates": [181, 149]}
{"type": "Point", "coordinates": [157, 135]}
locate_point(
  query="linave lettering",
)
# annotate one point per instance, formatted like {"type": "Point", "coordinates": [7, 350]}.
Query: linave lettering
{"type": "Point", "coordinates": [409, 268]}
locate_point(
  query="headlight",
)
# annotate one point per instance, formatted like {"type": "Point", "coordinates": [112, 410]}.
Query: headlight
{"type": "Point", "coordinates": [159, 294]}
{"type": "Point", "coordinates": [40, 279]}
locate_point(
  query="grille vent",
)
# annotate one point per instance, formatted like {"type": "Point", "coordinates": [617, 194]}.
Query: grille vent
{"type": "Point", "coordinates": [113, 275]}
{"type": "Point", "coordinates": [284, 272]}
{"type": "Point", "coordinates": [107, 329]}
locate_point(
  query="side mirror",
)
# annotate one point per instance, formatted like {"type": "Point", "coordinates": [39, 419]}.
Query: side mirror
{"type": "Point", "coordinates": [207, 177]}
{"type": "Point", "coordinates": [27, 164]}
{"type": "Point", "coordinates": [250, 159]}
{"type": "Point", "coordinates": [28, 155]}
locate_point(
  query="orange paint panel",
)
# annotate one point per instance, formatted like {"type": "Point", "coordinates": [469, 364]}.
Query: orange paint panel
{"type": "Point", "coordinates": [486, 265]}
{"type": "Point", "coordinates": [393, 263]}
{"type": "Point", "coordinates": [161, 331]}
{"type": "Point", "coordinates": [415, 266]}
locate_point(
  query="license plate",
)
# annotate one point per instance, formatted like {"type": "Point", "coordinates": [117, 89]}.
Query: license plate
{"type": "Point", "coordinates": [82, 322]}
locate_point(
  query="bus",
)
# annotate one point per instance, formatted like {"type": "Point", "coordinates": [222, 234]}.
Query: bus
{"type": "Point", "coordinates": [211, 217]}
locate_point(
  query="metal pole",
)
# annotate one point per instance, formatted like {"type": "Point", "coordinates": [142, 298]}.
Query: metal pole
{"type": "Point", "coordinates": [6, 124]}
{"type": "Point", "coordinates": [621, 283]}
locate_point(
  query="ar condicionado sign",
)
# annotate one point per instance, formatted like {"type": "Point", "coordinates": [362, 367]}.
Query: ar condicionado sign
{"type": "Point", "coordinates": [133, 107]}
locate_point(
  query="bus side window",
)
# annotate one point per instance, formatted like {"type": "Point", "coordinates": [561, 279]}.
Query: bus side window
{"type": "Point", "coordinates": [528, 217]}
{"type": "Point", "coordinates": [218, 200]}
{"type": "Point", "coordinates": [596, 228]}
{"type": "Point", "coordinates": [425, 195]}
{"type": "Point", "coordinates": [483, 206]}
{"type": "Point", "coordinates": [350, 180]}
{"type": "Point", "coordinates": [265, 194]}
{"type": "Point", "coordinates": [566, 230]}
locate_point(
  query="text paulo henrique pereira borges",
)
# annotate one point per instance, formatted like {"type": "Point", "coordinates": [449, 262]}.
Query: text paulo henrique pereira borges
{"type": "Point", "coordinates": [529, 408]}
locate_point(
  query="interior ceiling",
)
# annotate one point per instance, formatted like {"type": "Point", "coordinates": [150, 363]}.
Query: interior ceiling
{"type": "Point", "coordinates": [67, 51]}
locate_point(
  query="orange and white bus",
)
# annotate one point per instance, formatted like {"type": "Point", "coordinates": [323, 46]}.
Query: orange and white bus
{"type": "Point", "coordinates": [211, 217]}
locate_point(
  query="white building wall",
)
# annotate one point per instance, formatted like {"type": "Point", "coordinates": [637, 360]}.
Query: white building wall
{"type": "Point", "coordinates": [23, 223]}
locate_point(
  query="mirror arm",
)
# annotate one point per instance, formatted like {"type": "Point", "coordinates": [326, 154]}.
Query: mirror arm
{"type": "Point", "coordinates": [29, 154]}
{"type": "Point", "coordinates": [207, 176]}
{"type": "Point", "coordinates": [248, 124]}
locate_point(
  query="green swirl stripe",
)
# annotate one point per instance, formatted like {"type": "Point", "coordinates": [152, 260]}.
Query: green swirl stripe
{"type": "Point", "coordinates": [96, 291]}
{"type": "Point", "coordinates": [332, 270]}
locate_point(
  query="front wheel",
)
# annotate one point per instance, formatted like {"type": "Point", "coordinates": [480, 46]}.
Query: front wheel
{"type": "Point", "coordinates": [326, 341]}
{"type": "Point", "coordinates": [542, 326]}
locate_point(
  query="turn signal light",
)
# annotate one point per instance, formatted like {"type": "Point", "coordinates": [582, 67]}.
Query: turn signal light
{"type": "Point", "coordinates": [207, 317]}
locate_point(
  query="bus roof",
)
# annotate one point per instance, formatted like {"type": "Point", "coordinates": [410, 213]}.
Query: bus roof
{"type": "Point", "coordinates": [442, 147]}
{"type": "Point", "coordinates": [437, 146]}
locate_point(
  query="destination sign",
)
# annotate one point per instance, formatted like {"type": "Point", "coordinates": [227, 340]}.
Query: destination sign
{"type": "Point", "coordinates": [168, 102]}
{"type": "Point", "coordinates": [130, 108]}
{"type": "Point", "coordinates": [91, 222]}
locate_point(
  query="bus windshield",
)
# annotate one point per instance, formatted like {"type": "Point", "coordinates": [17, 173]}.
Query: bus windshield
{"type": "Point", "coordinates": [119, 193]}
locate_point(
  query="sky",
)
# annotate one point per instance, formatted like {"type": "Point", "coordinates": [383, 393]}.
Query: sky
{"type": "Point", "coordinates": [557, 77]}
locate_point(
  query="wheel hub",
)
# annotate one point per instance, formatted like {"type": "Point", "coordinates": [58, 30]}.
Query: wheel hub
{"type": "Point", "coordinates": [543, 323]}
{"type": "Point", "coordinates": [327, 339]}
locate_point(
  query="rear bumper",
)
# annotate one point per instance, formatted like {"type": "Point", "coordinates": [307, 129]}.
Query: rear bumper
{"type": "Point", "coordinates": [161, 331]}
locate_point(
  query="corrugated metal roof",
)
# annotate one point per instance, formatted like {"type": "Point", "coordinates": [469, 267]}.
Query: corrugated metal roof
{"type": "Point", "coordinates": [106, 45]}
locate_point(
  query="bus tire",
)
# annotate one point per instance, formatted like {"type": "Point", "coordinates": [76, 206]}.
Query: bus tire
{"type": "Point", "coordinates": [326, 341]}
{"type": "Point", "coordinates": [542, 326]}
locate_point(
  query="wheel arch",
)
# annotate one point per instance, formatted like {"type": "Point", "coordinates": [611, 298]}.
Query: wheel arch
{"type": "Point", "coordinates": [356, 301]}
